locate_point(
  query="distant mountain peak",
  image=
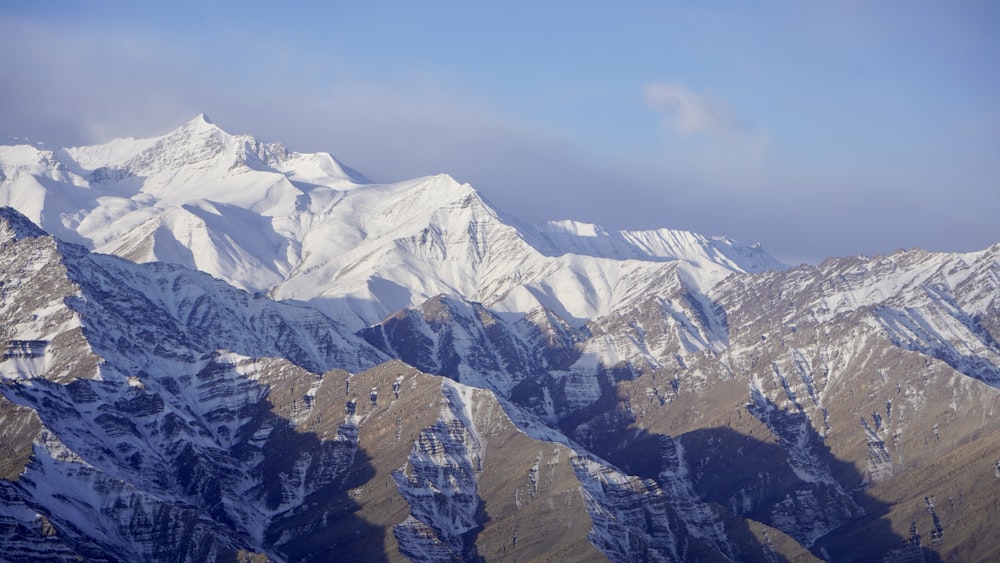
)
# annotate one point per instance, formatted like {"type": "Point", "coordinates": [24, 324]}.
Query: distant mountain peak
{"type": "Point", "coordinates": [15, 226]}
{"type": "Point", "coordinates": [199, 123]}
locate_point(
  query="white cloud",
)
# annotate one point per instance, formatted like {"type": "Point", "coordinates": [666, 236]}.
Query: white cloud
{"type": "Point", "coordinates": [687, 111]}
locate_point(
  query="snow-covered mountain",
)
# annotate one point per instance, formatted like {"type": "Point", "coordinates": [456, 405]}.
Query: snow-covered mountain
{"type": "Point", "coordinates": [399, 371]}
{"type": "Point", "coordinates": [304, 227]}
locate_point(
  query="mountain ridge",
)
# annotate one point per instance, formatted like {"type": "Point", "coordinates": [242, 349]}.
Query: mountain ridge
{"type": "Point", "coordinates": [267, 219]}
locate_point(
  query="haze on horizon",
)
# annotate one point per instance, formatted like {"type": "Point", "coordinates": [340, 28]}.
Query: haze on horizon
{"type": "Point", "coordinates": [816, 129]}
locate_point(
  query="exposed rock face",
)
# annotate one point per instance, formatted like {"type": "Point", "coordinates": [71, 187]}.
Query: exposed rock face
{"type": "Point", "coordinates": [838, 396]}
{"type": "Point", "coordinates": [147, 441]}
{"type": "Point", "coordinates": [439, 483]}
{"type": "Point", "coordinates": [810, 402]}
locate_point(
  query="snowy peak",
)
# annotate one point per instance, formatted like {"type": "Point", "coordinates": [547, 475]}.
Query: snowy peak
{"type": "Point", "coordinates": [198, 125]}
{"type": "Point", "coordinates": [197, 144]}
{"type": "Point", "coordinates": [203, 145]}
{"type": "Point", "coordinates": [201, 120]}
{"type": "Point", "coordinates": [14, 226]}
{"type": "Point", "coordinates": [751, 259]}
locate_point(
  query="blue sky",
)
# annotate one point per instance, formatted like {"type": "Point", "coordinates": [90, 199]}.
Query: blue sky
{"type": "Point", "coordinates": [818, 129]}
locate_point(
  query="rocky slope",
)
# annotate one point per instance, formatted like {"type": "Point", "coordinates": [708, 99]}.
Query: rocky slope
{"type": "Point", "coordinates": [840, 404]}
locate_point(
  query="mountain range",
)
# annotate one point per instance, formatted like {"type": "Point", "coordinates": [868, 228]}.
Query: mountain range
{"type": "Point", "coordinates": [217, 348]}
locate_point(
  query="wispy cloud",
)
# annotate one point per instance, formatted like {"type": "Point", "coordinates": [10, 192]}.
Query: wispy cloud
{"type": "Point", "coordinates": [687, 111]}
{"type": "Point", "coordinates": [727, 141]}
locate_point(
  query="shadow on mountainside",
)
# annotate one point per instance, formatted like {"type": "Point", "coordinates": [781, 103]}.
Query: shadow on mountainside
{"type": "Point", "coordinates": [327, 527]}
{"type": "Point", "coordinates": [304, 479]}
{"type": "Point", "coordinates": [178, 450]}
{"type": "Point", "coordinates": [747, 479]}
{"type": "Point", "coordinates": [183, 466]}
